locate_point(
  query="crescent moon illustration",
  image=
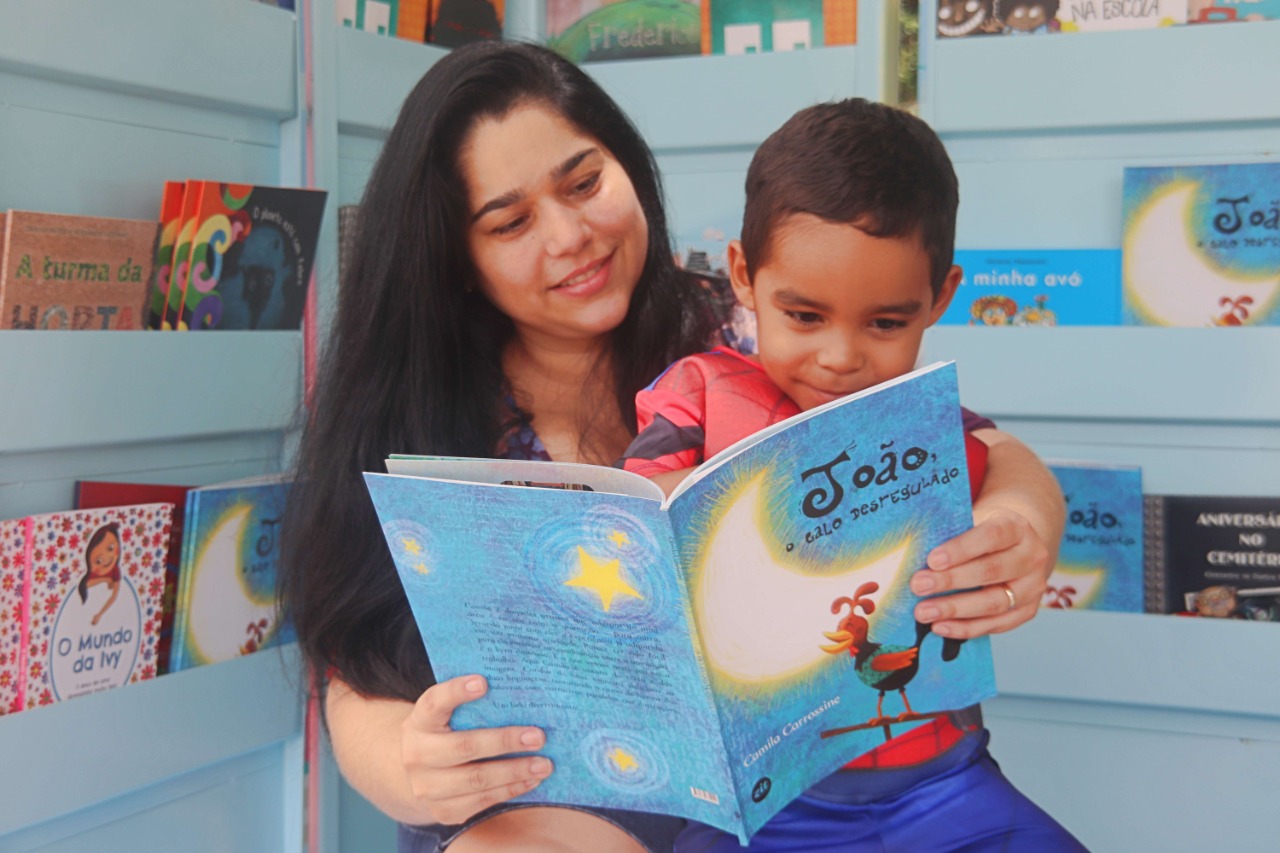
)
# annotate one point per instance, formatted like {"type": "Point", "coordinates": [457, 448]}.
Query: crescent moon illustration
{"type": "Point", "coordinates": [760, 620]}
{"type": "Point", "coordinates": [220, 605]}
{"type": "Point", "coordinates": [1086, 580]}
{"type": "Point", "coordinates": [1168, 282]}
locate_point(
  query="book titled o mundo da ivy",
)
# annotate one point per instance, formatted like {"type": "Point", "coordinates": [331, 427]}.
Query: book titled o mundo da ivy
{"type": "Point", "coordinates": [713, 654]}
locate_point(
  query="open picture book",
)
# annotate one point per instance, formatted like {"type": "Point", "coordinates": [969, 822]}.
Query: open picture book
{"type": "Point", "coordinates": [712, 654]}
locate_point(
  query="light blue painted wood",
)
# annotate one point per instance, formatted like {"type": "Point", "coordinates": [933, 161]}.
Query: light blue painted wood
{"type": "Point", "coordinates": [89, 750]}
{"type": "Point", "coordinates": [122, 387]}
{"type": "Point", "coordinates": [170, 51]}
{"type": "Point", "coordinates": [375, 74]}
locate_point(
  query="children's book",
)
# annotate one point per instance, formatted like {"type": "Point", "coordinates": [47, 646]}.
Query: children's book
{"type": "Point", "coordinates": [1213, 556]}
{"type": "Point", "coordinates": [91, 583]}
{"type": "Point", "coordinates": [162, 272]}
{"type": "Point", "coordinates": [600, 30]}
{"type": "Point", "coordinates": [965, 18]}
{"type": "Point", "coordinates": [1036, 287]}
{"type": "Point", "coordinates": [1226, 11]}
{"type": "Point", "coordinates": [453, 23]}
{"type": "Point", "coordinates": [371, 16]}
{"type": "Point", "coordinates": [95, 494]}
{"type": "Point", "coordinates": [713, 654]}
{"type": "Point", "coordinates": [75, 272]}
{"type": "Point", "coordinates": [1100, 563]}
{"type": "Point", "coordinates": [226, 605]}
{"type": "Point", "coordinates": [13, 604]}
{"type": "Point", "coordinates": [1202, 245]}
{"type": "Point", "coordinates": [252, 248]}
{"type": "Point", "coordinates": [171, 318]}
{"type": "Point", "coordinates": [775, 26]}
{"type": "Point", "coordinates": [1098, 15]}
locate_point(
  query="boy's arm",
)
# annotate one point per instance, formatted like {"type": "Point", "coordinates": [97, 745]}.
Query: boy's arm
{"type": "Point", "coordinates": [1005, 560]}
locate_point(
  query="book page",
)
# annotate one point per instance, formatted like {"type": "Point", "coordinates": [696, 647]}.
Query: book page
{"type": "Point", "coordinates": [571, 604]}
{"type": "Point", "coordinates": [596, 478]}
{"type": "Point", "coordinates": [797, 553]}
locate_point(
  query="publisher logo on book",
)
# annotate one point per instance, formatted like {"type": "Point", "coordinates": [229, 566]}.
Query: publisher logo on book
{"type": "Point", "coordinates": [761, 789]}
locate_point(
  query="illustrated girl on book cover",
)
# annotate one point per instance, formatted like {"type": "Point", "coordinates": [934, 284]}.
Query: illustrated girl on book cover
{"type": "Point", "coordinates": [102, 561]}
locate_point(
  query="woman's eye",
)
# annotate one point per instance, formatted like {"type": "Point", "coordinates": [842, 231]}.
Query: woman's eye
{"type": "Point", "coordinates": [510, 227]}
{"type": "Point", "coordinates": [587, 184]}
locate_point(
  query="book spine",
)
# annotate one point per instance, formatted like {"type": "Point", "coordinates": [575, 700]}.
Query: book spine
{"type": "Point", "coordinates": [178, 642]}
{"type": "Point", "coordinates": [1155, 591]}
{"type": "Point", "coordinates": [24, 615]}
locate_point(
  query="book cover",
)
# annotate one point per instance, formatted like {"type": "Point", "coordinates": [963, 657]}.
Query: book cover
{"type": "Point", "coordinates": [75, 272]}
{"type": "Point", "coordinates": [252, 249]}
{"type": "Point", "coordinates": [1100, 564]}
{"type": "Point", "coordinates": [97, 494]}
{"type": "Point", "coordinates": [1201, 245]}
{"type": "Point", "coordinates": [371, 16]}
{"type": "Point", "coordinates": [94, 582]}
{"type": "Point", "coordinates": [1213, 556]}
{"type": "Point", "coordinates": [765, 26]}
{"type": "Point", "coordinates": [411, 19]}
{"type": "Point", "coordinates": [964, 18]}
{"type": "Point", "coordinates": [1036, 287]}
{"type": "Point", "coordinates": [602, 30]}
{"type": "Point", "coordinates": [162, 267]}
{"type": "Point", "coordinates": [14, 535]}
{"type": "Point", "coordinates": [1086, 16]}
{"type": "Point", "coordinates": [180, 274]}
{"type": "Point", "coordinates": [713, 654]}
{"type": "Point", "coordinates": [1227, 11]}
{"type": "Point", "coordinates": [453, 23]}
{"type": "Point", "coordinates": [226, 604]}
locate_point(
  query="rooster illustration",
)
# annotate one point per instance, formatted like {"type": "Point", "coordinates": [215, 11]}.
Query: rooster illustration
{"type": "Point", "coordinates": [881, 667]}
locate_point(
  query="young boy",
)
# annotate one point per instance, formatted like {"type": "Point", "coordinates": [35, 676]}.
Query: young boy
{"type": "Point", "coordinates": [845, 258]}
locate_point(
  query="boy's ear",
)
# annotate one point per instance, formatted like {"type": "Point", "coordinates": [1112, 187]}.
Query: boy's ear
{"type": "Point", "coordinates": [738, 277]}
{"type": "Point", "coordinates": [945, 293]}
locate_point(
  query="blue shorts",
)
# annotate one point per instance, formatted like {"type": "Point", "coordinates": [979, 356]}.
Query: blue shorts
{"type": "Point", "coordinates": [959, 801]}
{"type": "Point", "coordinates": [656, 833]}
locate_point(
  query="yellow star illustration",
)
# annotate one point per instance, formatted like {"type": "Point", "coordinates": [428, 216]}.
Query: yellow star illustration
{"type": "Point", "coordinates": [618, 538]}
{"type": "Point", "coordinates": [604, 579]}
{"type": "Point", "coordinates": [412, 546]}
{"type": "Point", "coordinates": [422, 569]}
{"type": "Point", "coordinates": [623, 760]}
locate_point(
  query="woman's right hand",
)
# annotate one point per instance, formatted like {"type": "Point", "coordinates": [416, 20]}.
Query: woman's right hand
{"type": "Point", "coordinates": [449, 772]}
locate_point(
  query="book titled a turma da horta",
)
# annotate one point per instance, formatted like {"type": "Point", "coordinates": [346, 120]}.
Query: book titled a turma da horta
{"type": "Point", "coordinates": [713, 654]}
{"type": "Point", "coordinates": [252, 250]}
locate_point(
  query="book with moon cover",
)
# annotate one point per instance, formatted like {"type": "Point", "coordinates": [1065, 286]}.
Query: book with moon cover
{"type": "Point", "coordinates": [1201, 245]}
{"type": "Point", "coordinates": [713, 654]}
{"type": "Point", "coordinates": [226, 601]}
{"type": "Point", "coordinates": [1100, 565]}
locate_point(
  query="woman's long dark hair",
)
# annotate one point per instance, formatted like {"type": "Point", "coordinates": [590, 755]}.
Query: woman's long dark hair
{"type": "Point", "coordinates": [413, 364]}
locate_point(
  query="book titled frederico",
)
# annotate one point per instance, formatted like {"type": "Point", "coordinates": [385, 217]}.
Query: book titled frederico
{"type": "Point", "coordinates": [89, 612]}
{"type": "Point", "coordinates": [97, 494]}
{"type": "Point", "coordinates": [774, 26]}
{"type": "Point", "coordinates": [75, 272]}
{"type": "Point", "coordinates": [1213, 556]}
{"type": "Point", "coordinates": [226, 585]}
{"type": "Point", "coordinates": [713, 654]}
{"type": "Point", "coordinates": [601, 30]}
{"type": "Point", "coordinates": [1202, 245]}
{"type": "Point", "coordinates": [1036, 287]}
{"type": "Point", "coordinates": [1100, 564]}
{"type": "Point", "coordinates": [251, 252]}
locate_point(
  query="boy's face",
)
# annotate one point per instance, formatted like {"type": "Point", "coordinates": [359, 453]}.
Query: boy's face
{"type": "Point", "coordinates": [838, 310]}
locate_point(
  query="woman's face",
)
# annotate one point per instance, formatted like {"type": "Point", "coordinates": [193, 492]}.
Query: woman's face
{"type": "Point", "coordinates": [103, 556]}
{"type": "Point", "coordinates": [557, 234]}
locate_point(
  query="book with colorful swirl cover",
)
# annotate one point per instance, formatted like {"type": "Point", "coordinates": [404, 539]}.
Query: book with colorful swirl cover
{"type": "Point", "coordinates": [714, 654]}
{"type": "Point", "coordinates": [251, 252]}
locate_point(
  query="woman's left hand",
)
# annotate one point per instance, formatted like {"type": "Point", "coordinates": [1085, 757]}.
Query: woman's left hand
{"type": "Point", "coordinates": [1003, 565]}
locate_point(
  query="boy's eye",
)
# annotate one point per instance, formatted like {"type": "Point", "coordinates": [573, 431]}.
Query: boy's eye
{"type": "Point", "coordinates": [804, 318]}
{"type": "Point", "coordinates": [887, 324]}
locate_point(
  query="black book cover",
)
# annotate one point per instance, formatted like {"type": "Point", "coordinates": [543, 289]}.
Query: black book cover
{"type": "Point", "coordinates": [1213, 556]}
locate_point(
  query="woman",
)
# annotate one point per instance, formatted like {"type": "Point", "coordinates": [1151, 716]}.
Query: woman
{"type": "Point", "coordinates": [511, 288]}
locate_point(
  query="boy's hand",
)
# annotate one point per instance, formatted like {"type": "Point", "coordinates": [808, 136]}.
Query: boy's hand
{"type": "Point", "coordinates": [1002, 563]}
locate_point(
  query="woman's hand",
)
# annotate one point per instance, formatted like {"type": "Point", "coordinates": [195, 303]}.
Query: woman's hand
{"type": "Point", "coordinates": [1004, 561]}
{"type": "Point", "coordinates": [1001, 561]}
{"type": "Point", "coordinates": [448, 771]}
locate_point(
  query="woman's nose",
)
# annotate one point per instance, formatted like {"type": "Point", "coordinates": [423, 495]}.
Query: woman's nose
{"type": "Point", "coordinates": [566, 230]}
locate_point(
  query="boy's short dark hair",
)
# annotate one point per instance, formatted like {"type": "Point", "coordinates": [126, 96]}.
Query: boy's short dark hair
{"type": "Point", "coordinates": [859, 163]}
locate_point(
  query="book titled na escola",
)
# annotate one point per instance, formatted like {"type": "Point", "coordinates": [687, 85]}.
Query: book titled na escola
{"type": "Point", "coordinates": [713, 654]}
